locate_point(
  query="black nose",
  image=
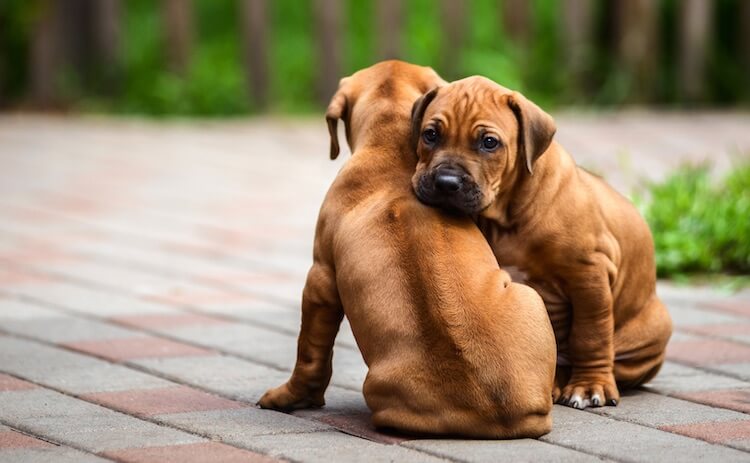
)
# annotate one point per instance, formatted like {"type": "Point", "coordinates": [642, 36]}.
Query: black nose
{"type": "Point", "coordinates": [448, 182]}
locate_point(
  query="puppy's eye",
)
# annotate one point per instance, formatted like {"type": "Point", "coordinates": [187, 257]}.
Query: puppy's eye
{"type": "Point", "coordinates": [490, 143]}
{"type": "Point", "coordinates": [430, 136]}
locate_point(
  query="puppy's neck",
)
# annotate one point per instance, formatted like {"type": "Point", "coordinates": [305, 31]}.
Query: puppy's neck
{"type": "Point", "coordinates": [384, 129]}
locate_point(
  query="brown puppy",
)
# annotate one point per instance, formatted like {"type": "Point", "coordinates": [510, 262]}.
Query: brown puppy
{"type": "Point", "coordinates": [580, 244]}
{"type": "Point", "coordinates": [452, 346]}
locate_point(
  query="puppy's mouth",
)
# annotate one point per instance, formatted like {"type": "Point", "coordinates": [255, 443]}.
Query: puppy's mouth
{"type": "Point", "coordinates": [451, 189]}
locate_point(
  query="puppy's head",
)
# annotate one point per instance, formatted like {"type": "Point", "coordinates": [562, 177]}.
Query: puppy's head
{"type": "Point", "coordinates": [474, 138]}
{"type": "Point", "coordinates": [382, 88]}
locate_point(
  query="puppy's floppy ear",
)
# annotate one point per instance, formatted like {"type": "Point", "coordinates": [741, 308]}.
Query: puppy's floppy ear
{"type": "Point", "coordinates": [337, 109]}
{"type": "Point", "coordinates": [535, 128]}
{"type": "Point", "coordinates": [417, 113]}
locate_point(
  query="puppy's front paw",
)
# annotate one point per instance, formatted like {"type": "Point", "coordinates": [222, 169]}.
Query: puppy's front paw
{"type": "Point", "coordinates": [281, 398]}
{"type": "Point", "coordinates": [581, 393]}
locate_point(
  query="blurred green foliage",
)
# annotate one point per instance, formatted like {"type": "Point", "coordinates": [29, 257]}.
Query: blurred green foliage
{"type": "Point", "coordinates": [700, 224]}
{"type": "Point", "coordinates": [215, 82]}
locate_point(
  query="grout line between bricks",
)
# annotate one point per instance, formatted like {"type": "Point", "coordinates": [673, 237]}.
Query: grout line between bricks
{"type": "Point", "coordinates": [28, 432]}
{"type": "Point", "coordinates": [155, 334]}
{"type": "Point", "coordinates": [227, 396]}
{"type": "Point", "coordinates": [232, 354]}
{"type": "Point", "coordinates": [140, 236]}
{"type": "Point", "coordinates": [153, 420]}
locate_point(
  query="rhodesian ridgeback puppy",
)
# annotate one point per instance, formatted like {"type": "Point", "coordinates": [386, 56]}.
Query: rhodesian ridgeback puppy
{"type": "Point", "coordinates": [453, 347]}
{"type": "Point", "coordinates": [488, 152]}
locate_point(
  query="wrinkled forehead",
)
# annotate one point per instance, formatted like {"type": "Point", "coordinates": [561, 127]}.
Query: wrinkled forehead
{"type": "Point", "coordinates": [463, 105]}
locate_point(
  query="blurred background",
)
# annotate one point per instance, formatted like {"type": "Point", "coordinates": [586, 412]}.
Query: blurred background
{"type": "Point", "coordinates": [651, 94]}
{"type": "Point", "coordinates": [234, 57]}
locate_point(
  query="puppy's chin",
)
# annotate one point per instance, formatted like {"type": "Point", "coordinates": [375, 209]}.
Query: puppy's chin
{"type": "Point", "coordinates": [466, 202]}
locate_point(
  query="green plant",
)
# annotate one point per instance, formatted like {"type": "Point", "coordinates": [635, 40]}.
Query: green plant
{"type": "Point", "coordinates": [699, 224]}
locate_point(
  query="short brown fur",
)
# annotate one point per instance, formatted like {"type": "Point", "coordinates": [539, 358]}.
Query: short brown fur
{"type": "Point", "coordinates": [452, 345]}
{"type": "Point", "coordinates": [562, 230]}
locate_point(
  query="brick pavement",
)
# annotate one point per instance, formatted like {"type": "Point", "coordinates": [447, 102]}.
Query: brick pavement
{"type": "Point", "coordinates": [150, 275]}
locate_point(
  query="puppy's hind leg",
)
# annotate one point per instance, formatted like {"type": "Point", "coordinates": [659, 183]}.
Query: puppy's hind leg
{"type": "Point", "coordinates": [640, 346]}
{"type": "Point", "coordinates": [321, 317]}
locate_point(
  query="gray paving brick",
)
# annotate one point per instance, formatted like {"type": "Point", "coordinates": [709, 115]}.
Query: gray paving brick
{"type": "Point", "coordinates": [69, 371]}
{"type": "Point", "coordinates": [228, 376]}
{"type": "Point", "coordinates": [97, 302]}
{"type": "Point", "coordinates": [330, 447]}
{"type": "Point", "coordinates": [674, 377]}
{"type": "Point", "coordinates": [623, 441]}
{"type": "Point", "coordinates": [520, 450]}
{"type": "Point", "coordinates": [741, 370]}
{"type": "Point", "coordinates": [271, 347]}
{"type": "Point", "coordinates": [53, 326]}
{"type": "Point", "coordinates": [56, 454]}
{"type": "Point", "coordinates": [656, 410]}
{"type": "Point", "coordinates": [234, 425]}
{"type": "Point", "coordinates": [683, 315]}
{"type": "Point", "coordinates": [115, 276]}
{"type": "Point", "coordinates": [81, 424]}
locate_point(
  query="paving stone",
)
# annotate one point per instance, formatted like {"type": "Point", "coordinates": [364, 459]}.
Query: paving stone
{"type": "Point", "coordinates": [330, 447]}
{"type": "Point", "coordinates": [739, 332]}
{"type": "Point", "coordinates": [733, 399]}
{"type": "Point", "coordinates": [81, 424]}
{"type": "Point", "coordinates": [9, 383]}
{"type": "Point", "coordinates": [56, 327]}
{"type": "Point", "coordinates": [623, 441]}
{"type": "Point", "coordinates": [151, 321]}
{"type": "Point", "coordinates": [189, 453]}
{"type": "Point", "coordinates": [56, 454]}
{"type": "Point", "coordinates": [74, 373]}
{"type": "Point", "coordinates": [149, 402]}
{"type": "Point", "coordinates": [709, 351]}
{"type": "Point", "coordinates": [100, 303]}
{"type": "Point", "coordinates": [360, 425]}
{"type": "Point", "coordinates": [674, 378]}
{"type": "Point", "coordinates": [656, 410]}
{"type": "Point", "coordinates": [683, 315]}
{"type": "Point", "coordinates": [740, 370]}
{"type": "Point", "coordinates": [228, 376]}
{"type": "Point", "coordinates": [741, 308]}
{"type": "Point", "coordinates": [270, 347]}
{"type": "Point", "coordinates": [136, 347]}
{"type": "Point", "coordinates": [12, 439]}
{"type": "Point", "coordinates": [339, 401]}
{"type": "Point", "coordinates": [519, 450]}
{"type": "Point", "coordinates": [716, 432]}
{"type": "Point", "coordinates": [172, 232]}
{"type": "Point", "coordinates": [236, 424]}
{"type": "Point", "coordinates": [114, 276]}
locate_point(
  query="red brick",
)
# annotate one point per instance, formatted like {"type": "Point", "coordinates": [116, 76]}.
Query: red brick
{"type": "Point", "coordinates": [733, 399]}
{"type": "Point", "coordinates": [360, 425]}
{"type": "Point", "coordinates": [149, 402]}
{"type": "Point", "coordinates": [715, 432]}
{"type": "Point", "coordinates": [189, 453]}
{"type": "Point", "coordinates": [201, 250]}
{"type": "Point", "coordinates": [150, 321]}
{"type": "Point", "coordinates": [30, 251]}
{"type": "Point", "coordinates": [15, 440]}
{"type": "Point", "coordinates": [11, 278]}
{"type": "Point", "coordinates": [708, 352]}
{"type": "Point", "coordinates": [136, 348]}
{"type": "Point", "coordinates": [249, 277]}
{"type": "Point", "coordinates": [197, 298]}
{"type": "Point", "coordinates": [721, 329]}
{"type": "Point", "coordinates": [732, 307]}
{"type": "Point", "coordinates": [9, 383]}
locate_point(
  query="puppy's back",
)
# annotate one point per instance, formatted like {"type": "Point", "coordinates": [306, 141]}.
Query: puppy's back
{"type": "Point", "coordinates": [453, 346]}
